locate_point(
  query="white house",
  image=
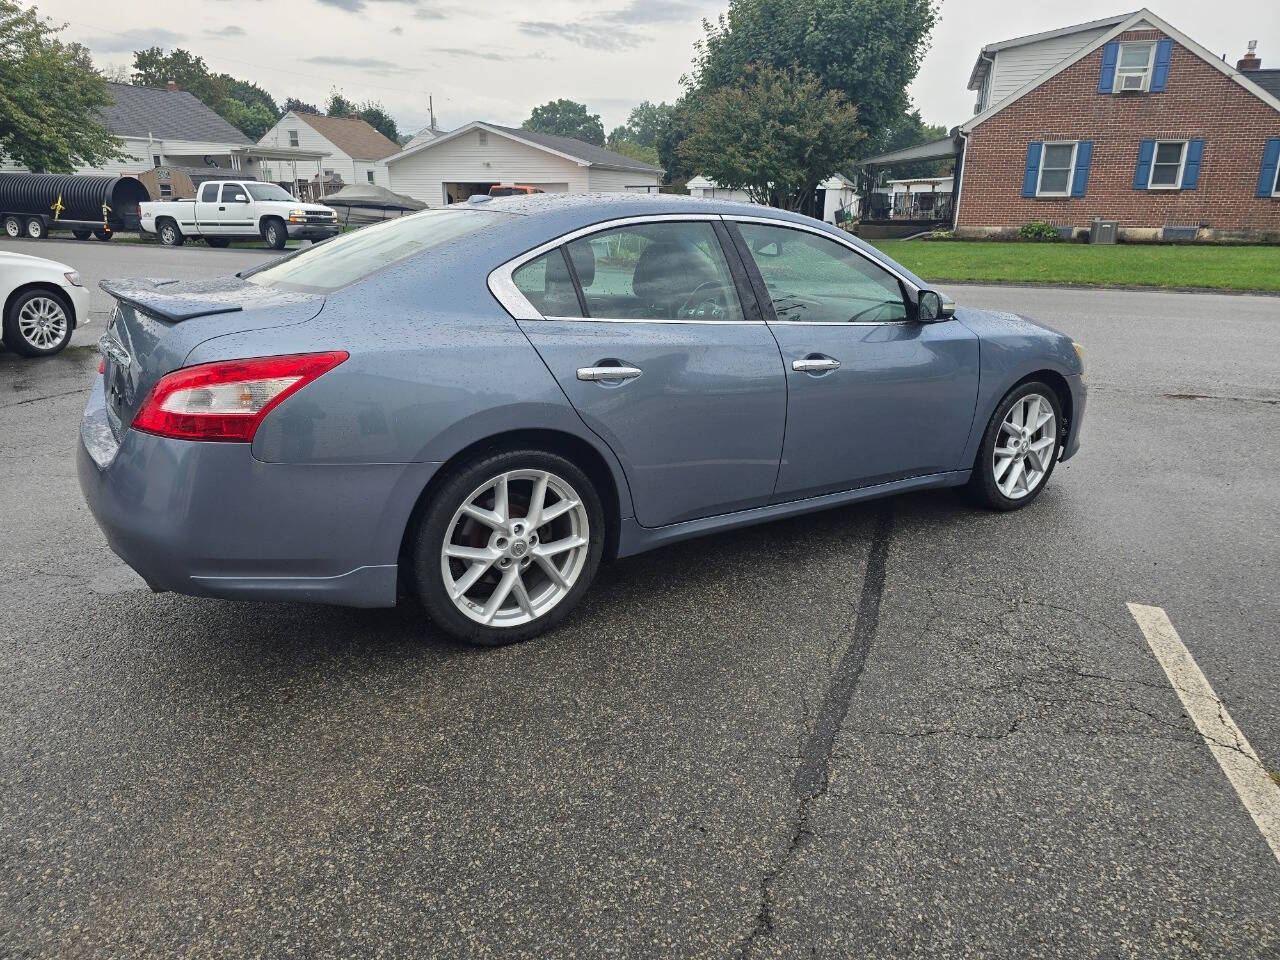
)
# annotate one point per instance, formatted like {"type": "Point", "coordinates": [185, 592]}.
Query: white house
{"type": "Point", "coordinates": [351, 149]}
{"type": "Point", "coordinates": [171, 128]}
{"type": "Point", "coordinates": [838, 193]}
{"type": "Point", "coordinates": [450, 167]}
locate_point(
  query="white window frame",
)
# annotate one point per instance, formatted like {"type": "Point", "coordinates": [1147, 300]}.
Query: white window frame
{"type": "Point", "coordinates": [482, 137]}
{"type": "Point", "coordinates": [1071, 170]}
{"type": "Point", "coordinates": [1275, 188]}
{"type": "Point", "coordinates": [368, 175]}
{"type": "Point", "coordinates": [293, 138]}
{"type": "Point", "coordinates": [1146, 71]}
{"type": "Point", "coordinates": [1182, 166]}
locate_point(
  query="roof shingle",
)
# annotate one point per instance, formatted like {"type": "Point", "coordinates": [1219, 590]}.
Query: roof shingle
{"type": "Point", "coordinates": [353, 136]}
{"type": "Point", "coordinates": [587, 152]}
{"type": "Point", "coordinates": [165, 115]}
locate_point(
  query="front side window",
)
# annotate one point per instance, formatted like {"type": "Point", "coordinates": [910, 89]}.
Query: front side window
{"type": "Point", "coordinates": [1056, 168]}
{"type": "Point", "coordinates": [1168, 164]}
{"type": "Point", "coordinates": [548, 286]}
{"type": "Point", "coordinates": [234, 193]}
{"type": "Point", "coordinates": [656, 271]}
{"type": "Point", "coordinates": [1133, 67]}
{"type": "Point", "coordinates": [354, 256]}
{"type": "Point", "coordinates": [815, 280]}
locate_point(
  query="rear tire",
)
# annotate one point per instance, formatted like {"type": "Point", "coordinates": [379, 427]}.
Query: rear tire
{"type": "Point", "coordinates": [82, 234]}
{"type": "Point", "coordinates": [275, 234]}
{"type": "Point", "coordinates": [217, 242]}
{"type": "Point", "coordinates": [103, 235]}
{"type": "Point", "coordinates": [484, 571]}
{"type": "Point", "coordinates": [1019, 448]}
{"type": "Point", "coordinates": [38, 323]}
{"type": "Point", "coordinates": [12, 227]}
{"type": "Point", "coordinates": [169, 234]}
{"type": "Point", "coordinates": [36, 230]}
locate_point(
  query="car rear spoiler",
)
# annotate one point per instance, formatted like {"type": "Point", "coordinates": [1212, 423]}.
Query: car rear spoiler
{"type": "Point", "coordinates": [184, 303]}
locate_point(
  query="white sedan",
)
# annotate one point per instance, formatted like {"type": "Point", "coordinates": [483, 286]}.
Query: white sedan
{"type": "Point", "coordinates": [43, 302]}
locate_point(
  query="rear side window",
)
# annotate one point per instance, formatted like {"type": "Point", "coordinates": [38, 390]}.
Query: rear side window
{"type": "Point", "coordinates": [656, 271]}
{"type": "Point", "coordinates": [354, 256]}
{"type": "Point", "coordinates": [209, 193]}
{"type": "Point", "coordinates": [546, 283]}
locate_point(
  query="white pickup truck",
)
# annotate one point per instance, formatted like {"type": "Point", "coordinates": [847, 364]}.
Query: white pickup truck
{"type": "Point", "coordinates": [226, 210]}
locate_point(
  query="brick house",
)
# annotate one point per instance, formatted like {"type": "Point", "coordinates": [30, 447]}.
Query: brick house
{"type": "Point", "coordinates": [1121, 119]}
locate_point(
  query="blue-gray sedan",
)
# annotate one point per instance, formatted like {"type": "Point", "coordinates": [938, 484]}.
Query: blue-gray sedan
{"type": "Point", "coordinates": [480, 404]}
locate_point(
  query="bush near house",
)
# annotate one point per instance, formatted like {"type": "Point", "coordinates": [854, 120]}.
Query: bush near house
{"type": "Point", "coordinates": [1164, 266]}
{"type": "Point", "coordinates": [1039, 231]}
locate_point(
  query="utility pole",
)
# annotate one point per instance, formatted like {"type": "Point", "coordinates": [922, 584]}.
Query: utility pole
{"type": "Point", "coordinates": [431, 110]}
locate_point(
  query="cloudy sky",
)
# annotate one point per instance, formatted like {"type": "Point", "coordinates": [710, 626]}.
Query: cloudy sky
{"type": "Point", "coordinates": [496, 59]}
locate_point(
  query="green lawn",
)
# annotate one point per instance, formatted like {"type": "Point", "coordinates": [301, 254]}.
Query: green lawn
{"type": "Point", "coordinates": [1215, 268]}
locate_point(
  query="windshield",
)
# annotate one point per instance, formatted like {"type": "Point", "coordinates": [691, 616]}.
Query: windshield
{"type": "Point", "coordinates": [353, 256]}
{"type": "Point", "coordinates": [268, 191]}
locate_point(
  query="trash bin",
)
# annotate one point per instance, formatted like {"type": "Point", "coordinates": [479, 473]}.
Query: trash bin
{"type": "Point", "coordinates": [1104, 231]}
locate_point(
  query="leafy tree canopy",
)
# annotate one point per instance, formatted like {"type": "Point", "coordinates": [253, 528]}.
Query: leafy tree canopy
{"type": "Point", "coordinates": [371, 112]}
{"type": "Point", "coordinates": [645, 122]}
{"type": "Point", "coordinates": [339, 106]}
{"type": "Point", "coordinates": [566, 118]}
{"type": "Point", "coordinates": [299, 106]}
{"type": "Point", "coordinates": [254, 119]}
{"type": "Point", "coordinates": [636, 151]}
{"type": "Point", "coordinates": [50, 95]}
{"type": "Point", "coordinates": [776, 133]}
{"type": "Point", "coordinates": [869, 50]}
{"type": "Point", "coordinates": [243, 104]}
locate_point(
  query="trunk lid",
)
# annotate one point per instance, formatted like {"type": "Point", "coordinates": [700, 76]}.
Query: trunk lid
{"type": "Point", "coordinates": [157, 323]}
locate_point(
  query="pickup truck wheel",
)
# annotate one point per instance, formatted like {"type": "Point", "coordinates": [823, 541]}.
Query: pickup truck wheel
{"type": "Point", "coordinates": [82, 234]}
{"type": "Point", "coordinates": [12, 227]}
{"type": "Point", "coordinates": [217, 242]}
{"type": "Point", "coordinates": [36, 230]}
{"type": "Point", "coordinates": [103, 235]}
{"type": "Point", "coordinates": [169, 233]}
{"type": "Point", "coordinates": [275, 234]}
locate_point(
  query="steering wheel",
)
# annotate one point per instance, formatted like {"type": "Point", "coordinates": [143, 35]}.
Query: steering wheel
{"type": "Point", "coordinates": [696, 304]}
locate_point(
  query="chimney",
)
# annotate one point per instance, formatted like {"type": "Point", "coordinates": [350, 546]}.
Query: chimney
{"type": "Point", "coordinates": [172, 85]}
{"type": "Point", "coordinates": [1250, 60]}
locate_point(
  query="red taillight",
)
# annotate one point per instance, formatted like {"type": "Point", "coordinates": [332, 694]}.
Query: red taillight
{"type": "Point", "coordinates": [102, 365]}
{"type": "Point", "coordinates": [227, 400]}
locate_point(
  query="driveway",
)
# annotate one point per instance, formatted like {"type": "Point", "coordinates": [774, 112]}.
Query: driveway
{"type": "Point", "coordinates": [907, 728]}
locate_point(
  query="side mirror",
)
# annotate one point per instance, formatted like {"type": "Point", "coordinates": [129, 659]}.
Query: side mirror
{"type": "Point", "coordinates": [931, 306]}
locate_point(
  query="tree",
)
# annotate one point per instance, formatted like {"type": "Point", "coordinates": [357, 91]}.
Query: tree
{"type": "Point", "coordinates": [339, 106]}
{"type": "Point", "coordinates": [644, 124]}
{"type": "Point", "coordinates": [566, 118]}
{"type": "Point", "coordinates": [869, 50]}
{"type": "Point", "coordinates": [254, 119]}
{"type": "Point", "coordinates": [246, 92]}
{"type": "Point", "coordinates": [50, 95]}
{"type": "Point", "coordinates": [154, 68]}
{"type": "Point", "coordinates": [629, 148]}
{"type": "Point", "coordinates": [298, 106]}
{"type": "Point", "coordinates": [776, 134]}
{"type": "Point", "coordinates": [670, 137]}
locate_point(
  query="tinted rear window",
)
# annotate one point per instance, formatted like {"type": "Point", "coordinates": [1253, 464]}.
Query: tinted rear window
{"type": "Point", "coordinates": [354, 256]}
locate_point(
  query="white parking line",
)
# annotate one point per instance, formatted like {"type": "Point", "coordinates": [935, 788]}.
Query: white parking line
{"type": "Point", "coordinates": [1259, 793]}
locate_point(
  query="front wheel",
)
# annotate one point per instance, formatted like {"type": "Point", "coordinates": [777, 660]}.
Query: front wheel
{"type": "Point", "coordinates": [275, 234]}
{"type": "Point", "coordinates": [82, 234]}
{"type": "Point", "coordinates": [103, 235]}
{"type": "Point", "coordinates": [1019, 448]}
{"type": "Point", "coordinates": [508, 546]}
{"type": "Point", "coordinates": [37, 324]}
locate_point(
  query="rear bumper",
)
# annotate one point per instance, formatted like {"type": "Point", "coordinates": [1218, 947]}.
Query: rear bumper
{"type": "Point", "coordinates": [208, 519]}
{"type": "Point", "coordinates": [1079, 395]}
{"type": "Point", "coordinates": [312, 231]}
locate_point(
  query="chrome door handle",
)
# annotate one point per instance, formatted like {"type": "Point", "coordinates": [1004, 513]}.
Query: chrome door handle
{"type": "Point", "coordinates": [608, 373]}
{"type": "Point", "coordinates": [814, 364]}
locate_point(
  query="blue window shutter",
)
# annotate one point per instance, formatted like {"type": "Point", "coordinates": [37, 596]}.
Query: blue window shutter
{"type": "Point", "coordinates": [1110, 54]}
{"type": "Point", "coordinates": [1146, 154]}
{"type": "Point", "coordinates": [1191, 171]}
{"type": "Point", "coordinates": [1031, 177]}
{"type": "Point", "coordinates": [1160, 73]}
{"type": "Point", "coordinates": [1270, 163]}
{"type": "Point", "coordinates": [1084, 156]}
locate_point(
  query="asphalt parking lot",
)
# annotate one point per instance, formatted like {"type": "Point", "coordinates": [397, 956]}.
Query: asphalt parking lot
{"type": "Point", "coordinates": [905, 728]}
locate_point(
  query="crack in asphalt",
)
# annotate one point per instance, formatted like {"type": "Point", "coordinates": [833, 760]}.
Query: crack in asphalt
{"type": "Point", "coordinates": [812, 776]}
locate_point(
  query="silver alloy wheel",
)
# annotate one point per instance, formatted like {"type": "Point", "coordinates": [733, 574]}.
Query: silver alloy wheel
{"type": "Point", "coordinates": [168, 234]}
{"type": "Point", "coordinates": [42, 321]}
{"type": "Point", "coordinates": [515, 548]}
{"type": "Point", "coordinates": [1025, 446]}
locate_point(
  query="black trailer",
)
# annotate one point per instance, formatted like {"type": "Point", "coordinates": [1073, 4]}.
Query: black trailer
{"type": "Point", "coordinates": [32, 204]}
